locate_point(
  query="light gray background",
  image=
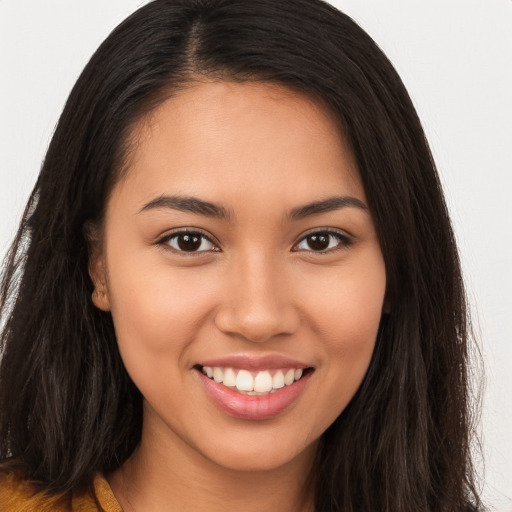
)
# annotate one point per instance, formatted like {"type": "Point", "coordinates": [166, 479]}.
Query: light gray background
{"type": "Point", "coordinates": [455, 57]}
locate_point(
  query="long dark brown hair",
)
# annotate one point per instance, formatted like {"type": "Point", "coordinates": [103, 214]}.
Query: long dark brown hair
{"type": "Point", "coordinates": [67, 406]}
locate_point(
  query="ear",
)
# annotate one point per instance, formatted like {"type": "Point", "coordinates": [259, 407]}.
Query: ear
{"type": "Point", "coordinates": [99, 296]}
{"type": "Point", "coordinates": [97, 267]}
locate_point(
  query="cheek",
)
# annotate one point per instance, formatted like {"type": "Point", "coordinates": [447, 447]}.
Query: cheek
{"type": "Point", "coordinates": [345, 313]}
{"type": "Point", "coordinates": [155, 308]}
{"type": "Point", "coordinates": [347, 303]}
{"type": "Point", "coordinates": [157, 315]}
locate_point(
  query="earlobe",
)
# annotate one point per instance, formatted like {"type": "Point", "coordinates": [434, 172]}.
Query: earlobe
{"type": "Point", "coordinates": [97, 272]}
{"type": "Point", "coordinates": [100, 299]}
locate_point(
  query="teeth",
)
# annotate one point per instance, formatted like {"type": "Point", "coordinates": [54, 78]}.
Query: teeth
{"type": "Point", "coordinates": [244, 381]}
{"type": "Point", "coordinates": [278, 380]}
{"type": "Point", "coordinates": [262, 383]}
{"type": "Point", "coordinates": [218, 374]}
{"type": "Point", "coordinates": [229, 378]}
{"type": "Point", "coordinates": [288, 378]}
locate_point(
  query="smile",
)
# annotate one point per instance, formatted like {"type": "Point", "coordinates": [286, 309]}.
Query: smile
{"type": "Point", "coordinates": [254, 383]}
{"type": "Point", "coordinates": [250, 389]}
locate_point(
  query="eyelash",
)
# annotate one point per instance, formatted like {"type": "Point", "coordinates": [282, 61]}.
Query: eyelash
{"type": "Point", "coordinates": [166, 241]}
{"type": "Point", "coordinates": [343, 241]}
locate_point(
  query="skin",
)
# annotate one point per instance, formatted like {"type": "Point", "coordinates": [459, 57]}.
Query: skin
{"type": "Point", "coordinates": [259, 151]}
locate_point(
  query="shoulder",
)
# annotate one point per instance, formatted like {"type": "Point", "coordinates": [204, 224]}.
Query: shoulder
{"type": "Point", "coordinates": [20, 495]}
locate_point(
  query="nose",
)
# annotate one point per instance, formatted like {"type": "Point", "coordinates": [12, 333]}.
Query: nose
{"type": "Point", "coordinates": [257, 304]}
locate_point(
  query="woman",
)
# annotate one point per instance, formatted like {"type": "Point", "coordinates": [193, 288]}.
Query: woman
{"type": "Point", "coordinates": [235, 283]}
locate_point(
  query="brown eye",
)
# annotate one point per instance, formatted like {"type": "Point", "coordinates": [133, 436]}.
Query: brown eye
{"type": "Point", "coordinates": [189, 242]}
{"type": "Point", "coordinates": [323, 242]}
{"type": "Point", "coordinates": [318, 242]}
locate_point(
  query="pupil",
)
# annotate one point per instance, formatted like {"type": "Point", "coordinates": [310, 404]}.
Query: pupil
{"type": "Point", "coordinates": [189, 242]}
{"type": "Point", "coordinates": [318, 242]}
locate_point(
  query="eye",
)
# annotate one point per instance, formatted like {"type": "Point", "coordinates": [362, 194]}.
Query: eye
{"type": "Point", "coordinates": [189, 241]}
{"type": "Point", "coordinates": [323, 241]}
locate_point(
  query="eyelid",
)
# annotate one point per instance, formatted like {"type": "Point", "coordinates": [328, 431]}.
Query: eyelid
{"type": "Point", "coordinates": [163, 239]}
{"type": "Point", "coordinates": [345, 238]}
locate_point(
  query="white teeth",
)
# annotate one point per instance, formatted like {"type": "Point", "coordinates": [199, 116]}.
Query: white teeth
{"type": "Point", "coordinates": [244, 381]}
{"type": "Point", "coordinates": [263, 382]}
{"type": "Point", "coordinates": [278, 380]}
{"type": "Point", "coordinates": [289, 377]}
{"type": "Point", "coordinates": [229, 378]}
{"type": "Point", "coordinates": [218, 374]}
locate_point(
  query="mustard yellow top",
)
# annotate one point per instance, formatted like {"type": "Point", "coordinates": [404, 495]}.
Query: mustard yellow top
{"type": "Point", "coordinates": [18, 495]}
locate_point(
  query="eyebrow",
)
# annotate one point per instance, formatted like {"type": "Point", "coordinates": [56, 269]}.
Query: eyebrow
{"type": "Point", "coordinates": [326, 205]}
{"type": "Point", "coordinates": [208, 209]}
{"type": "Point", "coordinates": [188, 204]}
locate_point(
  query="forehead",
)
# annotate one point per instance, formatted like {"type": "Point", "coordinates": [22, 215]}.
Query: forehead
{"type": "Point", "coordinates": [230, 138]}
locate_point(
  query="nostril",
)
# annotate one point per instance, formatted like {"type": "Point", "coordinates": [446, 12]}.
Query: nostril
{"type": "Point", "coordinates": [256, 326]}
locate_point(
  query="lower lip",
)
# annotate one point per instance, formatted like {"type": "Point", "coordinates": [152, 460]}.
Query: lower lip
{"type": "Point", "coordinates": [253, 407]}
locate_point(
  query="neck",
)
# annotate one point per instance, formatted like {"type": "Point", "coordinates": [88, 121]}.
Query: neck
{"type": "Point", "coordinates": [172, 476]}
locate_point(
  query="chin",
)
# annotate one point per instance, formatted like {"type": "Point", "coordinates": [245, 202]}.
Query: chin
{"type": "Point", "coordinates": [260, 455]}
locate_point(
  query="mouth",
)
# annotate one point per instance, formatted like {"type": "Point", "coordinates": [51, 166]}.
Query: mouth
{"type": "Point", "coordinates": [254, 383]}
{"type": "Point", "coordinates": [252, 390]}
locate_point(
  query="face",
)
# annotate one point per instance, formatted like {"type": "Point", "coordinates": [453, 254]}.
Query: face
{"type": "Point", "coordinates": [243, 273]}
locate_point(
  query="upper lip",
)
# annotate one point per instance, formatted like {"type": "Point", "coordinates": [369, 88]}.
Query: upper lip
{"type": "Point", "coordinates": [249, 362]}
